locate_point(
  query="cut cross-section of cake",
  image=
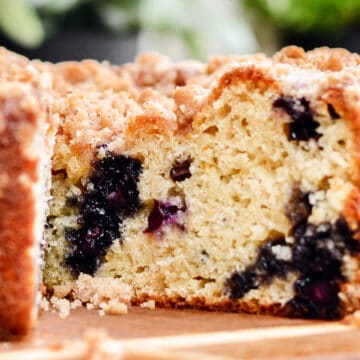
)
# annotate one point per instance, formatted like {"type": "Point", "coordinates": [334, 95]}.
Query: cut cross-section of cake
{"type": "Point", "coordinates": [232, 185]}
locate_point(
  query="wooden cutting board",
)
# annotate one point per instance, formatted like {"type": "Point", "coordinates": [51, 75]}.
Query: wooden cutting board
{"type": "Point", "coordinates": [183, 334]}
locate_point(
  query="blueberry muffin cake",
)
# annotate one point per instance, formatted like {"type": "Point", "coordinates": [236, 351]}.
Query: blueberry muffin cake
{"type": "Point", "coordinates": [231, 185]}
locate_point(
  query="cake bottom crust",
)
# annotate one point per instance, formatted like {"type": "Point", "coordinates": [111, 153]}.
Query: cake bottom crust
{"type": "Point", "coordinates": [200, 303]}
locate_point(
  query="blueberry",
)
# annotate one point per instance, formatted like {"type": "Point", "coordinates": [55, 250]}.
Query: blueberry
{"type": "Point", "coordinates": [83, 261]}
{"type": "Point", "coordinates": [316, 256]}
{"type": "Point", "coordinates": [155, 218]}
{"type": "Point", "coordinates": [241, 282]}
{"type": "Point", "coordinates": [181, 171]}
{"type": "Point", "coordinates": [118, 199]}
{"type": "Point", "coordinates": [263, 270]}
{"type": "Point", "coordinates": [316, 298]}
{"type": "Point", "coordinates": [298, 207]}
{"type": "Point", "coordinates": [163, 213]}
{"type": "Point", "coordinates": [268, 264]}
{"type": "Point", "coordinates": [332, 112]}
{"type": "Point", "coordinates": [319, 291]}
{"type": "Point", "coordinates": [303, 125]}
{"type": "Point", "coordinates": [110, 197]}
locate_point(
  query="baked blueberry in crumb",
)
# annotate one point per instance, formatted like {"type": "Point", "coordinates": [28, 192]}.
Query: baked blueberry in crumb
{"type": "Point", "coordinates": [110, 196]}
{"type": "Point", "coordinates": [315, 256]}
{"type": "Point", "coordinates": [268, 263]}
{"type": "Point", "coordinates": [303, 125]}
{"type": "Point", "coordinates": [316, 298]}
{"type": "Point", "coordinates": [298, 207]}
{"type": "Point", "coordinates": [181, 170]}
{"type": "Point", "coordinates": [48, 224]}
{"type": "Point", "coordinates": [266, 266]}
{"type": "Point", "coordinates": [334, 115]}
{"type": "Point", "coordinates": [242, 282]}
{"type": "Point", "coordinates": [164, 213]}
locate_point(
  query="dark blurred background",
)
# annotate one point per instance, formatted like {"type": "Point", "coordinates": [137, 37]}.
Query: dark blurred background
{"type": "Point", "coordinates": [117, 30]}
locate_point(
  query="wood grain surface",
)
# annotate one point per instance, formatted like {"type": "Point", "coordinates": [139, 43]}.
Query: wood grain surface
{"type": "Point", "coordinates": [182, 334]}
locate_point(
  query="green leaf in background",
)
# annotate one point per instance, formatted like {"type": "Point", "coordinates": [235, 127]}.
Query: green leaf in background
{"type": "Point", "coordinates": [308, 15]}
{"type": "Point", "coordinates": [20, 22]}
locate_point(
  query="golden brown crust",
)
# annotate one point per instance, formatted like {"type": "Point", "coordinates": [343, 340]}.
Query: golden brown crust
{"type": "Point", "coordinates": [150, 70]}
{"type": "Point", "coordinates": [250, 306]}
{"type": "Point", "coordinates": [323, 59]}
{"type": "Point", "coordinates": [143, 125]}
{"type": "Point", "coordinates": [19, 120]}
{"type": "Point", "coordinates": [227, 305]}
{"type": "Point", "coordinates": [352, 210]}
{"type": "Point", "coordinates": [252, 75]}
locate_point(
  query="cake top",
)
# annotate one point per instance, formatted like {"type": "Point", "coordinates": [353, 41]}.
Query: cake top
{"type": "Point", "coordinates": [101, 103]}
{"type": "Point", "coordinates": [14, 67]}
{"type": "Point", "coordinates": [159, 72]}
{"type": "Point", "coordinates": [324, 59]}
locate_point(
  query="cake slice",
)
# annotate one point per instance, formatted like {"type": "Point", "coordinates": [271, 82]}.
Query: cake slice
{"type": "Point", "coordinates": [232, 185]}
{"type": "Point", "coordinates": [25, 151]}
{"type": "Point", "coordinates": [24, 161]}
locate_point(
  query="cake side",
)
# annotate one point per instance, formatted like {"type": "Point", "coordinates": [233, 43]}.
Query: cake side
{"type": "Point", "coordinates": [151, 70]}
{"type": "Point", "coordinates": [233, 191]}
{"type": "Point", "coordinates": [21, 197]}
{"type": "Point", "coordinates": [27, 137]}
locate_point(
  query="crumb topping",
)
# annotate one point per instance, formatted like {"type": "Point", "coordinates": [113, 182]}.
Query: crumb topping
{"type": "Point", "coordinates": [155, 95]}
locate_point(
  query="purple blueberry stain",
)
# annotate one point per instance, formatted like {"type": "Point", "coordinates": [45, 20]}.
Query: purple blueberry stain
{"type": "Point", "coordinates": [181, 170]}
{"type": "Point", "coordinates": [332, 112]}
{"type": "Point", "coordinates": [320, 292]}
{"type": "Point", "coordinates": [109, 197]}
{"type": "Point", "coordinates": [316, 298]}
{"type": "Point", "coordinates": [316, 257]}
{"type": "Point", "coordinates": [303, 126]}
{"type": "Point", "coordinates": [298, 208]}
{"type": "Point", "coordinates": [118, 199]}
{"type": "Point", "coordinates": [165, 213]}
{"type": "Point", "coordinates": [262, 271]}
{"type": "Point", "coordinates": [241, 282]}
